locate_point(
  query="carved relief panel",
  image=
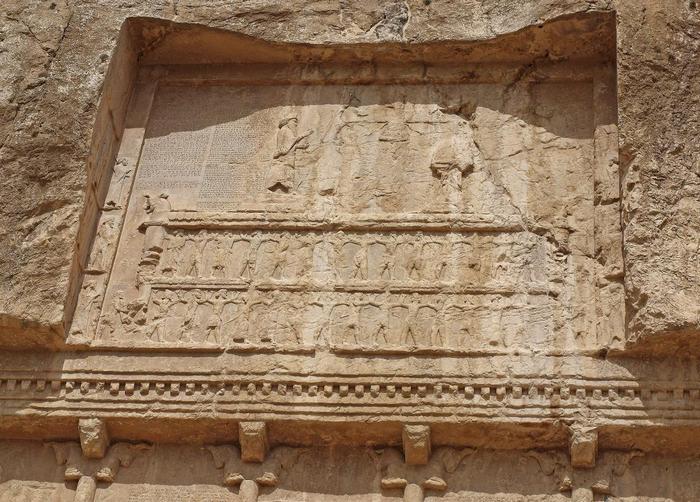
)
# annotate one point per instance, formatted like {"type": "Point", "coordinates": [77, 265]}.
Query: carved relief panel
{"type": "Point", "coordinates": [450, 217]}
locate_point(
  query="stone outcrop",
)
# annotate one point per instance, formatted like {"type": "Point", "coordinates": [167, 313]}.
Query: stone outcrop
{"type": "Point", "coordinates": [657, 70]}
{"type": "Point", "coordinates": [53, 83]}
{"type": "Point", "coordinates": [349, 250]}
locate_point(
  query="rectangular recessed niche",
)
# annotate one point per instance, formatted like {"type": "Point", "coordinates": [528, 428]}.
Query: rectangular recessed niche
{"type": "Point", "coordinates": [425, 208]}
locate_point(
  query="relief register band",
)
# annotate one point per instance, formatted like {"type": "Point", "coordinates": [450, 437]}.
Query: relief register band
{"type": "Point", "coordinates": [379, 219]}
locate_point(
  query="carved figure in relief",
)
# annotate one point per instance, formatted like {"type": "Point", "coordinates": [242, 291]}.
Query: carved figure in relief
{"type": "Point", "coordinates": [364, 312]}
{"type": "Point", "coordinates": [323, 326]}
{"type": "Point", "coordinates": [330, 159]}
{"type": "Point", "coordinates": [439, 268]}
{"type": "Point", "coordinates": [496, 327]}
{"type": "Point", "coordinates": [193, 264]}
{"type": "Point", "coordinates": [437, 338]}
{"type": "Point", "coordinates": [214, 322]}
{"type": "Point", "coordinates": [344, 323]}
{"type": "Point", "coordinates": [350, 332]}
{"type": "Point", "coordinates": [212, 327]}
{"type": "Point", "coordinates": [174, 249]}
{"type": "Point", "coordinates": [234, 323]}
{"type": "Point", "coordinates": [155, 330]}
{"type": "Point", "coordinates": [106, 236]}
{"type": "Point", "coordinates": [302, 258]}
{"type": "Point", "coordinates": [125, 318]}
{"type": "Point", "coordinates": [408, 326]}
{"type": "Point", "coordinates": [121, 307]}
{"type": "Point", "coordinates": [87, 315]}
{"type": "Point", "coordinates": [450, 163]}
{"type": "Point", "coordinates": [599, 480]}
{"type": "Point", "coordinates": [161, 207]}
{"type": "Point", "coordinates": [246, 267]}
{"type": "Point", "coordinates": [337, 256]}
{"type": "Point", "coordinates": [502, 262]}
{"type": "Point", "coordinates": [156, 212]}
{"type": "Point", "coordinates": [121, 174]}
{"type": "Point", "coordinates": [386, 265]}
{"type": "Point", "coordinates": [414, 262]}
{"type": "Point", "coordinates": [464, 334]}
{"type": "Point", "coordinates": [380, 334]}
{"type": "Point", "coordinates": [283, 324]}
{"type": "Point", "coordinates": [238, 322]}
{"type": "Point", "coordinates": [280, 177]}
{"type": "Point", "coordinates": [188, 319]}
{"type": "Point", "coordinates": [225, 256]}
{"type": "Point", "coordinates": [279, 263]}
{"type": "Point", "coordinates": [359, 264]}
{"type": "Point", "coordinates": [438, 262]}
{"type": "Point", "coordinates": [218, 268]}
{"type": "Point", "coordinates": [293, 323]}
{"type": "Point", "coordinates": [192, 319]}
{"type": "Point", "coordinates": [260, 318]}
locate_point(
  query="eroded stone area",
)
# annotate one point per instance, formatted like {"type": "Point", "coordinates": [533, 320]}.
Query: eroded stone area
{"type": "Point", "coordinates": [215, 473]}
{"type": "Point", "coordinates": [376, 271]}
{"type": "Point", "coordinates": [455, 217]}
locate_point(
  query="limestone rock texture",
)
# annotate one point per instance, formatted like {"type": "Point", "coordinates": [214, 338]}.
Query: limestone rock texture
{"type": "Point", "coordinates": [660, 172]}
{"type": "Point", "coordinates": [349, 250]}
{"type": "Point", "coordinates": [55, 55]}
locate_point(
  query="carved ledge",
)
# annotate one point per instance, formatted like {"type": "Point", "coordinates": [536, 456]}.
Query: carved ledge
{"type": "Point", "coordinates": [616, 401]}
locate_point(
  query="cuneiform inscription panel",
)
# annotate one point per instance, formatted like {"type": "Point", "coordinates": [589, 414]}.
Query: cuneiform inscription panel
{"type": "Point", "coordinates": [149, 493]}
{"type": "Point", "coordinates": [446, 218]}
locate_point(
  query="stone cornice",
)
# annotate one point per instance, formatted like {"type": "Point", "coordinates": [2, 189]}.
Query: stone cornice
{"type": "Point", "coordinates": [361, 398]}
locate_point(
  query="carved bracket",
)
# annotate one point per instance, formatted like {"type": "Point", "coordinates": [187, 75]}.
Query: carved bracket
{"type": "Point", "coordinates": [584, 484]}
{"type": "Point", "coordinates": [253, 439]}
{"type": "Point", "coordinates": [248, 477]}
{"type": "Point", "coordinates": [94, 439]}
{"type": "Point", "coordinates": [583, 447]}
{"type": "Point", "coordinates": [415, 480]}
{"type": "Point", "coordinates": [87, 470]}
{"type": "Point", "coordinates": [416, 444]}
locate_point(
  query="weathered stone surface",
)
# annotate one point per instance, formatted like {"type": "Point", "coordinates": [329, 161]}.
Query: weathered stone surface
{"type": "Point", "coordinates": [584, 447]}
{"type": "Point", "coordinates": [416, 444]}
{"type": "Point", "coordinates": [296, 227]}
{"type": "Point", "coordinates": [94, 438]}
{"type": "Point", "coordinates": [253, 439]}
{"type": "Point", "coordinates": [261, 226]}
{"type": "Point", "coordinates": [187, 472]}
{"type": "Point", "coordinates": [60, 52]}
{"type": "Point", "coordinates": [659, 97]}
{"type": "Point", "coordinates": [85, 491]}
{"type": "Point", "coordinates": [52, 108]}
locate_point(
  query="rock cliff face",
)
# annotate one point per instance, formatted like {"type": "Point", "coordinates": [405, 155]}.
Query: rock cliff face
{"type": "Point", "coordinates": [657, 68]}
{"type": "Point", "coordinates": [423, 240]}
{"type": "Point", "coordinates": [55, 55]}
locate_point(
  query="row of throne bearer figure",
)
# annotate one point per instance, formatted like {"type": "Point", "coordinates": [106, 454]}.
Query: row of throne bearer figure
{"type": "Point", "coordinates": [195, 316]}
{"type": "Point", "coordinates": [337, 257]}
